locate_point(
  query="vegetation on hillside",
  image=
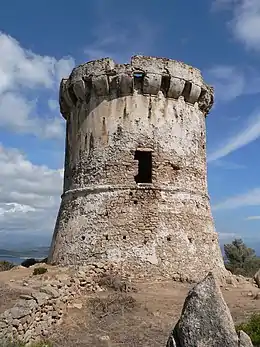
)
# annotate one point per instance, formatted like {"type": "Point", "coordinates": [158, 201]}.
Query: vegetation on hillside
{"type": "Point", "coordinates": [6, 265]}
{"type": "Point", "coordinates": [240, 259]}
{"type": "Point", "coordinates": [39, 271]}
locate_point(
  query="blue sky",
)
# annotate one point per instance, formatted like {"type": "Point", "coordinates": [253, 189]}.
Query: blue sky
{"type": "Point", "coordinates": [40, 42]}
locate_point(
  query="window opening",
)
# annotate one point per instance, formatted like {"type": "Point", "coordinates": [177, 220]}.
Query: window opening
{"type": "Point", "coordinates": [138, 80]}
{"type": "Point", "coordinates": [144, 166]}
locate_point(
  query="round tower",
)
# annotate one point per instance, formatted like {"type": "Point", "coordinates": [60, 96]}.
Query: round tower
{"type": "Point", "coordinates": [135, 183]}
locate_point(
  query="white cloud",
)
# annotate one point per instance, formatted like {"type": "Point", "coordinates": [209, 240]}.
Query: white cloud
{"type": "Point", "coordinates": [22, 68]}
{"type": "Point", "coordinates": [245, 136]}
{"type": "Point", "coordinates": [231, 82]}
{"type": "Point", "coordinates": [29, 194]}
{"type": "Point", "coordinates": [253, 218]}
{"type": "Point", "coordinates": [21, 73]}
{"type": "Point", "coordinates": [228, 165]}
{"type": "Point", "coordinates": [250, 198]}
{"type": "Point", "coordinates": [228, 81]}
{"type": "Point", "coordinates": [245, 23]}
{"type": "Point", "coordinates": [20, 115]}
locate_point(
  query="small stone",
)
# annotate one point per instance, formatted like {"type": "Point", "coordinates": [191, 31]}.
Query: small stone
{"type": "Point", "coordinates": [20, 327]}
{"type": "Point", "coordinates": [3, 325]}
{"type": "Point", "coordinates": [257, 278]}
{"type": "Point", "coordinates": [44, 316]}
{"type": "Point", "coordinates": [77, 305]}
{"type": "Point", "coordinates": [28, 335]}
{"type": "Point", "coordinates": [38, 330]}
{"type": "Point", "coordinates": [24, 320]}
{"type": "Point", "coordinates": [54, 314]}
{"type": "Point", "coordinates": [104, 341]}
{"type": "Point", "coordinates": [16, 323]}
{"type": "Point", "coordinates": [25, 297]}
{"type": "Point", "coordinates": [50, 291]}
{"type": "Point", "coordinates": [81, 274]}
{"type": "Point", "coordinates": [63, 278]}
{"type": "Point", "coordinates": [257, 296]}
{"type": "Point", "coordinates": [231, 280]}
{"type": "Point", "coordinates": [19, 312]}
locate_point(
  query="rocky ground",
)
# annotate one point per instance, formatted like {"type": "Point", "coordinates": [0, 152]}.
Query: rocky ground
{"type": "Point", "coordinates": [71, 309]}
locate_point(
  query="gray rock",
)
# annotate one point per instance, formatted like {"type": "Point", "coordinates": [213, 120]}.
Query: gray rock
{"type": "Point", "coordinates": [16, 323]}
{"type": "Point", "coordinates": [19, 312]}
{"type": "Point", "coordinates": [28, 335]}
{"type": "Point", "coordinates": [25, 297]}
{"type": "Point", "coordinates": [50, 291]}
{"type": "Point", "coordinates": [103, 341]}
{"type": "Point", "coordinates": [30, 304]}
{"type": "Point", "coordinates": [41, 298]}
{"type": "Point", "coordinates": [257, 278]}
{"type": "Point", "coordinates": [2, 325]}
{"type": "Point", "coordinates": [205, 320]}
{"type": "Point", "coordinates": [244, 339]}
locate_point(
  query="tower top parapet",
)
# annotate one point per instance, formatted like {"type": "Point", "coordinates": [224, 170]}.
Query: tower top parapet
{"type": "Point", "coordinates": [145, 75]}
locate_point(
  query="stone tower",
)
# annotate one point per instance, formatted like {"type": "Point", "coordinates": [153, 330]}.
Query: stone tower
{"type": "Point", "coordinates": [135, 185]}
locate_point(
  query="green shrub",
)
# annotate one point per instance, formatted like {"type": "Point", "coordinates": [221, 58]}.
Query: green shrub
{"type": "Point", "coordinates": [6, 265]}
{"type": "Point", "coordinates": [240, 259]}
{"type": "Point", "coordinates": [39, 271]}
{"type": "Point", "coordinates": [252, 328]}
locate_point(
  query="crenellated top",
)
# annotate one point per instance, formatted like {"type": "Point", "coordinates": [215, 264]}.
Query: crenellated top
{"type": "Point", "coordinates": [146, 75]}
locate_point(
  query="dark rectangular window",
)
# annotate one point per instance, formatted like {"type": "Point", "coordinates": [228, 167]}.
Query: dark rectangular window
{"type": "Point", "coordinates": [144, 166]}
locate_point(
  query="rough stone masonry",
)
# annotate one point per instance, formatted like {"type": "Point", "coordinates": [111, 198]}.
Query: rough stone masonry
{"type": "Point", "coordinates": [135, 180]}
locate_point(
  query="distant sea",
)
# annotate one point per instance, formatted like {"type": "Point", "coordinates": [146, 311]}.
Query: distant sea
{"type": "Point", "coordinates": [17, 256]}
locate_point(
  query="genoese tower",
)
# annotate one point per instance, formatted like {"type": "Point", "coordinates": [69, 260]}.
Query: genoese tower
{"type": "Point", "coordinates": [135, 181]}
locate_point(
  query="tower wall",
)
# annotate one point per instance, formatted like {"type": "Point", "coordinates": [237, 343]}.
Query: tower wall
{"type": "Point", "coordinates": [116, 114]}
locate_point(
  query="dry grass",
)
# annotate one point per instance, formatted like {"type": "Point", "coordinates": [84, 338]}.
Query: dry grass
{"type": "Point", "coordinates": [139, 314]}
{"type": "Point", "coordinates": [115, 282]}
{"type": "Point", "coordinates": [111, 305]}
{"type": "Point", "coordinates": [142, 318]}
{"type": "Point", "coordinates": [130, 319]}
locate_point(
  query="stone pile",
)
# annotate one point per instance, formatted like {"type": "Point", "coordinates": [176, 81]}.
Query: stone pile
{"type": "Point", "coordinates": [37, 313]}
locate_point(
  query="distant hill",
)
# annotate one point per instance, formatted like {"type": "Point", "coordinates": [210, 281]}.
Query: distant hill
{"type": "Point", "coordinates": [17, 256]}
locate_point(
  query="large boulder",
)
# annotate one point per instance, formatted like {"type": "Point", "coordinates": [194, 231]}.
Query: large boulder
{"type": "Point", "coordinates": [257, 278]}
{"type": "Point", "coordinates": [206, 320]}
{"type": "Point", "coordinates": [244, 339]}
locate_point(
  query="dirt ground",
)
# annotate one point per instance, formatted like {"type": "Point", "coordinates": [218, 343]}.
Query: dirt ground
{"type": "Point", "coordinates": [141, 318]}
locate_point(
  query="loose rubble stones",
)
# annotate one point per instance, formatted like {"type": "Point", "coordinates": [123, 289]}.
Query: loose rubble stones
{"type": "Point", "coordinates": [35, 314]}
